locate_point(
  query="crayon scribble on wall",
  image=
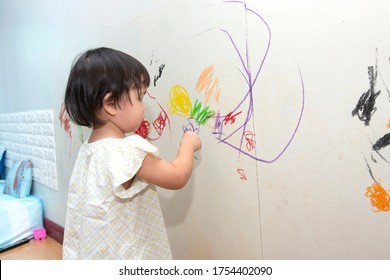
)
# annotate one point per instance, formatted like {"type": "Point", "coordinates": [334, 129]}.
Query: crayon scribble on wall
{"type": "Point", "coordinates": [180, 104]}
{"type": "Point", "coordinates": [208, 84]}
{"type": "Point", "coordinates": [379, 197]}
{"type": "Point", "coordinates": [159, 124]}
{"type": "Point", "coordinates": [365, 110]}
{"type": "Point", "coordinates": [234, 126]}
{"type": "Point", "coordinates": [65, 122]}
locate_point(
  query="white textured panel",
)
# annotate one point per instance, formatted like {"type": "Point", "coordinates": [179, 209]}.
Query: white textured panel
{"type": "Point", "coordinates": [30, 135]}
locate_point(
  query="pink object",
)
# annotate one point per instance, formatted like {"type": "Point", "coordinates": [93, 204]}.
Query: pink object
{"type": "Point", "coordinates": [40, 234]}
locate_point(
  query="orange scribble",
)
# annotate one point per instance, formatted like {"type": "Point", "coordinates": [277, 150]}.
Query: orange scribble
{"type": "Point", "coordinates": [380, 198]}
{"type": "Point", "coordinates": [207, 84]}
{"type": "Point", "coordinates": [388, 123]}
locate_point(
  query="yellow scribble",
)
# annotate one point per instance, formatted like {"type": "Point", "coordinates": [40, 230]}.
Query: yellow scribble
{"type": "Point", "coordinates": [207, 84]}
{"type": "Point", "coordinates": [179, 101]}
{"type": "Point", "coordinates": [380, 198]}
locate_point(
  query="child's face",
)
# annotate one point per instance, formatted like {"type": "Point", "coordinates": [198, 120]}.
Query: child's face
{"type": "Point", "coordinates": [130, 115]}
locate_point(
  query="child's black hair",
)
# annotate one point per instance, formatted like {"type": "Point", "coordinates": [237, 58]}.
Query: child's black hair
{"type": "Point", "coordinates": [96, 73]}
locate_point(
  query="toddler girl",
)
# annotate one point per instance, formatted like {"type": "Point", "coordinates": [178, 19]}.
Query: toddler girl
{"type": "Point", "coordinates": [113, 210]}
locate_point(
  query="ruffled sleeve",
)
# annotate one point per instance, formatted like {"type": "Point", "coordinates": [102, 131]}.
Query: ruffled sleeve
{"type": "Point", "coordinates": [125, 159]}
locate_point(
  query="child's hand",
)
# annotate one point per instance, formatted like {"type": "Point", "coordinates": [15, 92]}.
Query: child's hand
{"type": "Point", "coordinates": [192, 139]}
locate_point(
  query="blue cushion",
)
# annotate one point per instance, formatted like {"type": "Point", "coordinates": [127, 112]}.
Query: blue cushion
{"type": "Point", "coordinates": [19, 179]}
{"type": "Point", "coordinates": [2, 162]}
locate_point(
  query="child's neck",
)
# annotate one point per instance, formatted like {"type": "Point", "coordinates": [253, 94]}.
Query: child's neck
{"type": "Point", "coordinates": [107, 130]}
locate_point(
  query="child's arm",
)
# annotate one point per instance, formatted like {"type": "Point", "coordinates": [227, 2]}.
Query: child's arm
{"type": "Point", "coordinates": [172, 174]}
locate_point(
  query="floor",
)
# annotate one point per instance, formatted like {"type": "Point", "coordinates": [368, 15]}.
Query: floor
{"type": "Point", "coordinates": [47, 249]}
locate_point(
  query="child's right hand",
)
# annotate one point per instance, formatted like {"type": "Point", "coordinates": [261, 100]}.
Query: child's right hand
{"type": "Point", "coordinates": [172, 174]}
{"type": "Point", "coordinates": [192, 139]}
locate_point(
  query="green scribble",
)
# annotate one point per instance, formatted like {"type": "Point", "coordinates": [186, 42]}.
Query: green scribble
{"type": "Point", "coordinates": [201, 115]}
{"type": "Point", "coordinates": [81, 134]}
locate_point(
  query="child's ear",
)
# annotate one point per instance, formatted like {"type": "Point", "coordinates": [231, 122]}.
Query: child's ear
{"type": "Point", "coordinates": [109, 104]}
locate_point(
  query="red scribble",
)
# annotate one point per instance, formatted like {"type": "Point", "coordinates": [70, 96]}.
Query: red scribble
{"type": "Point", "coordinates": [250, 140]}
{"type": "Point", "coordinates": [65, 121]}
{"type": "Point", "coordinates": [143, 129]}
{"type": "Point", "coordinates": [160, 123]}
{"type": "Point", "coordinates": [231, 118]}
{"type": "Point", "coordinates": [242, 174]}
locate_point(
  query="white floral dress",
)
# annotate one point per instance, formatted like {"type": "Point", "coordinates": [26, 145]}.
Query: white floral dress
{"type": "Point", "coordinates": [103, 219]}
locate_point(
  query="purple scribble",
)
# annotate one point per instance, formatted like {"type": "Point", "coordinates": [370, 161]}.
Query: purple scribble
{"type": "Point", "coordinates": [191, 126]}
{"type": "Point", "coordinates": [251, 80]}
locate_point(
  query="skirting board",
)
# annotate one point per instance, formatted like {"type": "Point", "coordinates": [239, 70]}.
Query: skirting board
{"type": "Point", "coordinates": [54, 231]}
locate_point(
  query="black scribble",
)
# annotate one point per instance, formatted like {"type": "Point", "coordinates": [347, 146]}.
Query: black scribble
{"type": "Point", "coordinates": [370, 171]}
{"type": "Point", "coordinates": [151, 60]}
{"type": "Point", "coordinates": [373, 159]}
{"type": "Point", "coordinates": [382, 142]}
{"type": "Point", "coordinates": [378, 153]}
{"type": "Point", "coordinates": [381, 156]}
{"type": "Point", "coordinates": [160, 70]}
{"type": "Point", "coordinates": [385, 85]}
{"type": "Point", "coordinates": [365, 107]}
{"type": "Point", "coordinates": [381, 77]}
